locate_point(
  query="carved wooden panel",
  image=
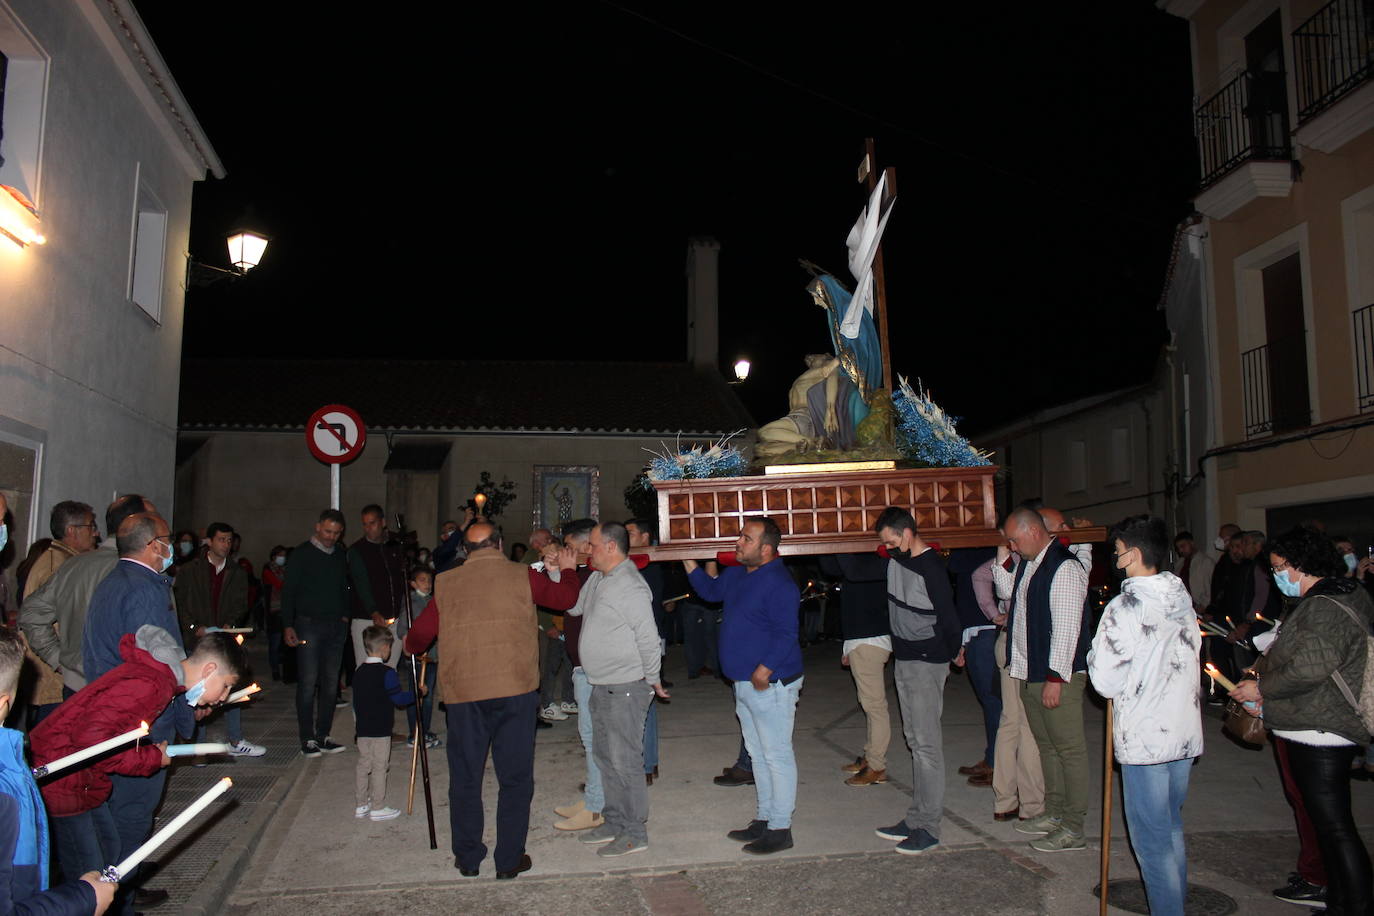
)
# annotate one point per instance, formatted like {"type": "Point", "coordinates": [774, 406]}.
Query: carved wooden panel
{"type": "Point", "coordinates": [826, 513]}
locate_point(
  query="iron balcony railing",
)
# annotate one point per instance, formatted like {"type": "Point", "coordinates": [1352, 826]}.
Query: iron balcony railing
{"type": "Point", "coordinates": [1247, 119]}
{"type": "Point", "coordinates": [1334, 53]}
{"type": "Point", "coordinates": [1363, 332]}
{"type": "Point", "coordinates": [1274, 387]}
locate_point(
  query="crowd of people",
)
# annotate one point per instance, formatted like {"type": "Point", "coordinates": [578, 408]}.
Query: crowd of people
{"type": "Point", "coordinates": [578, 622]}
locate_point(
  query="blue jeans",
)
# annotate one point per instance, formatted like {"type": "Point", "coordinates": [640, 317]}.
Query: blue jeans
{"type": "Point", "coordinates": [1153, 797]}
{"type": "Point", "coordinates": [131, 805]}
{"type": "Point", "coordinates": [317, 675]}
{"type": "Point", "coordinates": [699, 635]}
{"type": "Point", "coordinates": [765, 718]}
{"type": "Point", "coordinates": [985, 679]}
{"type": "Point", "coordinates": [85, 842]}
{"type": "Point", "coordinates": [594, 796]}
{"type": "Point", "coordinates": [233, 724]}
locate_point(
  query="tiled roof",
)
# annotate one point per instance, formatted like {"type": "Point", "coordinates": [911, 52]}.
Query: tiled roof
{"type": "Point", "coordinates": [557, 397]}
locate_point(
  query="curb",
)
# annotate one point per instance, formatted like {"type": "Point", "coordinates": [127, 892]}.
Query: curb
{"type": "Point", "coordinates": [212, 896]}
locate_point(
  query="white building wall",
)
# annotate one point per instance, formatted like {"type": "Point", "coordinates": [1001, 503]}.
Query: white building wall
{"type": "Point", "coordinates": [80, 364]}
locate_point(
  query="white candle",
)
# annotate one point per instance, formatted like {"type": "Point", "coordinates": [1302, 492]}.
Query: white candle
{"type": "Point", "coordinates": [243, 694]}
{"type": "Point", "coordinates": [114, 873]}
{"type": "Point", "coordinates": [228, 629]}
{"type": "Point", "coordinates": [1219, 677]}
{"type": "Point", "coordinates": [196, 750]}
{"type": "Point", "coordinates": [62, 763]}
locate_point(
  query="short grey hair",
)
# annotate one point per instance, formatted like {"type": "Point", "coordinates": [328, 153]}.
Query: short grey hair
{"type": "Point", "coordinates": [139, 532]}
{"type": "Point", "coordinates": [617, 533]}
{"type": "Point", "coordinates": [65, 514]}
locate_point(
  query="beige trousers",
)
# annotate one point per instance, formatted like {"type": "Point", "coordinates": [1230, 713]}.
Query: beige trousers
{"type": "Point", "coordinates": [374, 759]}
{"type": "Point", "coordinates": [1016, 775]}
{"type": "Point", "coordinates": [866, 665]}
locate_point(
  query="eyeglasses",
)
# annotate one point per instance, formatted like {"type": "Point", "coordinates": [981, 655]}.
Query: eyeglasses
{"type": "Point", "coordinates": [1282, 566]}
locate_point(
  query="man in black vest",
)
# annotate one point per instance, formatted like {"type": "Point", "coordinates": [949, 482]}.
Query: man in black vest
{"type": "Point", "coordinates": [1047, 657]}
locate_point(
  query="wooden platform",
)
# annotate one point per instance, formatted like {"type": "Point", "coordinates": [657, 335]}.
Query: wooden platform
{"type": "Point", "coordinates": [831, 512]}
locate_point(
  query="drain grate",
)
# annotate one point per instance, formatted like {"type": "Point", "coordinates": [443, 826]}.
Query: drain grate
{"type": "Point", "coordinates": [1128, 895]}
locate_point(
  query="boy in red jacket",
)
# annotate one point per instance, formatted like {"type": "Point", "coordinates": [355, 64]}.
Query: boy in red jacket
{"type": "Point", "coordinates": [154, 672]}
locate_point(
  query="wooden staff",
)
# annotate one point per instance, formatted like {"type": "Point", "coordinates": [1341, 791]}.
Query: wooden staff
{"type": "Point", "coordinates": [419, 738]}
{"type": "Point", "coordinates": [1106, 815]}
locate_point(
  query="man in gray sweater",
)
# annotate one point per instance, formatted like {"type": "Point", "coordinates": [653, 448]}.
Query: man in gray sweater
{"type": "Point", "coordinates": [619, 651]}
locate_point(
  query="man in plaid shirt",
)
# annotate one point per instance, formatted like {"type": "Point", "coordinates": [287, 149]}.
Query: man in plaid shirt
{"type": "Point", "coordinates": [1047, 658]}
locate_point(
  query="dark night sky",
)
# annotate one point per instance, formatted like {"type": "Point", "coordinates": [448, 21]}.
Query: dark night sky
{"type": "Point", "coordinates": [512, 181]}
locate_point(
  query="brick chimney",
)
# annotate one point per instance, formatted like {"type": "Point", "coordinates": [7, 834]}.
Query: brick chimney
{"type": "Point", "coordinates": [703, 303]}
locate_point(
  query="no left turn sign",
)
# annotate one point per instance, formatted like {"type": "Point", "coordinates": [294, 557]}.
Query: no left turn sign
{"type": "Point", "coordinates": [335, 434]}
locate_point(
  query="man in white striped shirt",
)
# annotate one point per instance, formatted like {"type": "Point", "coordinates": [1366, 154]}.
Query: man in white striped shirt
{"type": "Point", "coordinates": [1047, 653]}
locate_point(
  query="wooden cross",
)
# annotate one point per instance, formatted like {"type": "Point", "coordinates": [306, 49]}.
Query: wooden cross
{"type": "Point", "coordinates": [868, 175]}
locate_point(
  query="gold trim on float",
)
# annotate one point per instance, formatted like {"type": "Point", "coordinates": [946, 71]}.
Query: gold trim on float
{"type": "Point", "coordinates": [829, 467]}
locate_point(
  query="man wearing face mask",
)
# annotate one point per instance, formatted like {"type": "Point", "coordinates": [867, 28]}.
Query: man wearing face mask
{"type": "Point", "coordinates": [135, 594]}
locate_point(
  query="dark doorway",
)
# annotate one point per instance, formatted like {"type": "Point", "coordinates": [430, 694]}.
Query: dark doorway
{"type": "Point", "coordinates": [1285, 332]}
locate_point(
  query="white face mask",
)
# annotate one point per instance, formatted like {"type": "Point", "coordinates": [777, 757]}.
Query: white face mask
{"type": "Point", "coordinates": [1219, 544]}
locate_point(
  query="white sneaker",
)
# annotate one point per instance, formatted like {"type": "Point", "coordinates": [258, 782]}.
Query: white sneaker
{"type": "Point", "coordinates": [553, 713]}
{"type": "Point", "coordinates": [570, 708]}
{"type": "Point", "coordinates": [362, 810]}
{"type": "Point", "coordinates": [246, 749]}
{"type": "Point", "coordinates": [384, 814]}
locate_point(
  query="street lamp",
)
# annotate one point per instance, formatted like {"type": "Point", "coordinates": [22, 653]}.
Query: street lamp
{"type": "Point", "coordinates": [246, 248]}
{"type": "Point", "coordinates": [741, 370]}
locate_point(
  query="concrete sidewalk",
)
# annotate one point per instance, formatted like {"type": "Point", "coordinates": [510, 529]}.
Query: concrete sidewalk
{"type": "Point", "coordinates": [314, 853]}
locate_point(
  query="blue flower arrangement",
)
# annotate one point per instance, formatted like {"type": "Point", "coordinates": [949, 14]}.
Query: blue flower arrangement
{"type": "Point", "coordinates": [926, 434]}
{"type": "Point", "coordinates": [719, 459]}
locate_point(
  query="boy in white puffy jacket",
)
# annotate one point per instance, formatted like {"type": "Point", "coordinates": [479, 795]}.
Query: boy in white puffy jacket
{"type": "Point", "coordinates": [1145, 658]}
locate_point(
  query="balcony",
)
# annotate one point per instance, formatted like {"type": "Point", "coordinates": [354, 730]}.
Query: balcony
{"type": "Point", "coordinates": [1243, 141]}
{"type": "Point", "coordinates": [1334, 54]}
{"type": "Point", "coordinates": [1363, 334]}
{"type": "Point", "coordinates": [1274, 387]}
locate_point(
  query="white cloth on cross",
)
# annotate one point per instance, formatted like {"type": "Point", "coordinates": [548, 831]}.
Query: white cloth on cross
{"type": "Point", "coordinates": [863, 248]}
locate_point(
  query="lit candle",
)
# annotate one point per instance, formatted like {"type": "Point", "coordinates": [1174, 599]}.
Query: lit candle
{"type": "Point", "coordinates": [390, 621]}
{"type": "Point", "coordinates": [1219, 677]}
{"type": "Point", "coordinates": [239, 639]}
{"type": "Point", "coordinates": [195, 750]}
{"type": "Point", "coordinates": [115, 873]}
{"type": "Point", "coordinates": [62, 763]}
{"type": "Point", "coordinates": [228, 629]}
{"type": "Point", "coordinates": [1262, 619]}
{"type": "Point", "coordinates": [1230, 623]}
{"type": "Point", "coordinates": [240, 695]}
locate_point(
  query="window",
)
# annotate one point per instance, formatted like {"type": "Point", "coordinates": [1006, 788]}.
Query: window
{"type": "Point", "coordinates": [23, 97]}
{"type": "Point", "coordinates": [1119, 466]}
{"type": "Point", "coordinates": [148, 253]}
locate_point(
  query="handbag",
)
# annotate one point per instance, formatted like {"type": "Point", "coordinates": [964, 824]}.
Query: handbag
{"type": "Point", "coordinates": [1241, 725]}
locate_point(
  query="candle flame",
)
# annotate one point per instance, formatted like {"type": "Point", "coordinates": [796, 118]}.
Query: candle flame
{"type": "Point", "coordinates": [1262, 619]}
{"type": "Point", "coordinates": [227, 781]}
{"type": "Point", "coordinates": [143, 726]}
{"type": "Point", "coordinates": [239, 639]}
{"type": "Point", "coordinates": [1211, 668]}
{"type": "Point", "coordinates": [1229, 622]}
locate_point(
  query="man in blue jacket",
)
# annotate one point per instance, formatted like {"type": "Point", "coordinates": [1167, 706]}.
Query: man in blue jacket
{"type": "Point", "coordinates": [136, 593]}
{"type": "Point", "coordinates": [760, 653]}
{"type": "Point", "coordinates": [926, 635]}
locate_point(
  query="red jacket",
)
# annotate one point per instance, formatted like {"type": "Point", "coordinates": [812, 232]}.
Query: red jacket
{"type": "Point", "coordinates": [115, 703]}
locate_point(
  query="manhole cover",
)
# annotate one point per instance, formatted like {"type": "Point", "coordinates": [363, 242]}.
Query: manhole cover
{"type": "Point", "coordinates": [1128, 895]}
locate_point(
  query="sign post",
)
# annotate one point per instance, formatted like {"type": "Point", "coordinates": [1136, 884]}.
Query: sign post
{"type": "Point", "coordinates": [335, 434]}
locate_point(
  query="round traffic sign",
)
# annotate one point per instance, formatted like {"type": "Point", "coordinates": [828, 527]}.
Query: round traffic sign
{"type": "Point", "coordinates": [335, 434]}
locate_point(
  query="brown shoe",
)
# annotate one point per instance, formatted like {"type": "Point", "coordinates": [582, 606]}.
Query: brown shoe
{"type": "Point", "coordinates": [866, 777]}
{"type": "Point", "coordinates": [977, 769]}
{"type": "Point", "coordinates": [858, 765]}
{"type": "Point", "coordinates": [1006, 815]}
{"type": "Point", "coordinates": [982, 782]}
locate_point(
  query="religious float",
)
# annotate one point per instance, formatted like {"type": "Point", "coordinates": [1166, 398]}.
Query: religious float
{"type": "Point", "coordinates": [847, 449]}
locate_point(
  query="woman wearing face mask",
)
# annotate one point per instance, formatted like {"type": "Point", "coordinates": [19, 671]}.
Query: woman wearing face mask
{"type": "Point", "coordinates": [184, 546]}
{"type": "Point", "coordinates": [1319, 648]}
{"type": "Point", "coordinates": [274, 579]}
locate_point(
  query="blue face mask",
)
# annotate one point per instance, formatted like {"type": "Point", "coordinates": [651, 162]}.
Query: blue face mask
{"type": "Point", "coordinates": [1286, 585]}
{"type": "Point", "coordinates": [4, 536]}
{"type": "Point", "coordinates": [195, 692]}
{"type": "Point", "coordinates": [1350, 562]}
{"type": "Point", "coordinates": [167, 560]}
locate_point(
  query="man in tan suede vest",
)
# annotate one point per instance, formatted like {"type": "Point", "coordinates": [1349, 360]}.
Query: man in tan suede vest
{"type": "Point", "coordinates": [483, 616]}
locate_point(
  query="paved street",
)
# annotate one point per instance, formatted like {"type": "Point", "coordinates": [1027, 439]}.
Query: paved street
{"type": "Point", "coordinates": [287, 840]}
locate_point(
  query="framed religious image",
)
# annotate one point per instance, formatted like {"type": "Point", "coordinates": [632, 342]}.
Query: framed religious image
{"type": "Point", "coordinates": [563, 493]}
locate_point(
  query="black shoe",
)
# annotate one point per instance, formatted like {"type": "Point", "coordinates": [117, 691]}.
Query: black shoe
{"type": "Point", "coordinates": [310, 748]}
{"type": "Point", "coordinates": [150, 896]}
{"type": "Point", "coordinates": [771, 841]}
{"type": "Point", "coordinates": [754, 831]}
{"type": "Point", "coordinates": [466, 872]}
{"type": "Point", "coordinates": [329, 746]}
{"type": "Point", "coordinates": [525, 865]}
{"type": "Point", "coordinates": [1301, 892]}
{"type": "Point", "coordinates": [734, 776]}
